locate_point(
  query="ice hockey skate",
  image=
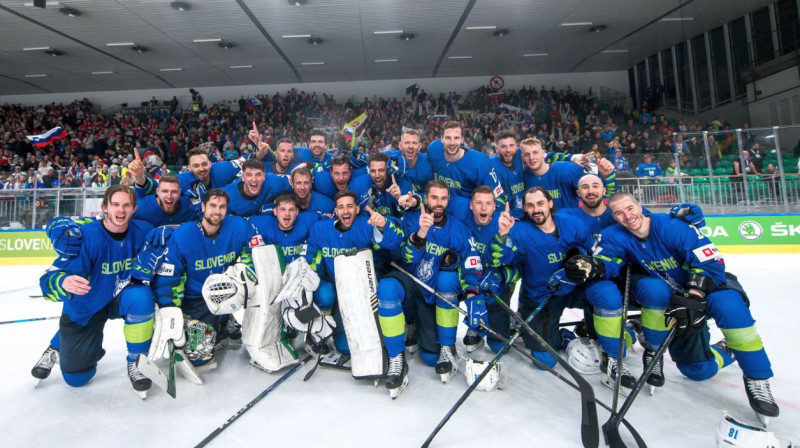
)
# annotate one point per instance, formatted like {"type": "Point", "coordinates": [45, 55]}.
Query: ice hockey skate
{"type": "Point", "coordinates": [656, 378]}
{"type": "Point", "coordinates": [472, 341]}
{"type": "Point", "coordinates": [45, 364]}
{"type": "Point", "coordinates": [447, 365]}
{"type": "Point", "coordinates": [140, 383]}
{"type": "Point", "coordinates": [609, 369]}
{"type": "Point", "coordinates": [397, 376]}
{"type": "Point", "coordinates": [760, 397]}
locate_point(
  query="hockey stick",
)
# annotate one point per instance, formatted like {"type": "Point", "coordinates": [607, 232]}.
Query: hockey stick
{"type": "Point", "coordinates": [480, 378]}
{"type": "Point", "coordinates": [611, 427]}
{"type": "Point", "coordinates": [621, 350]}
{"type": "Point", "coordinates": [590, 431]}
{"type": "Point", "coordinates": [539, 364]}
{"type": "Point", "coordinates": [32, 319]}
{"type": "Point", "coordinates": [578, 322]}
{"type": "Point", "coordinates": [252, 403]}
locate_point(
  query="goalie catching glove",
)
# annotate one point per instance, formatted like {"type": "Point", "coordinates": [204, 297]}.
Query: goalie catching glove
{"type": "Point", "coordinates": [228, 292]}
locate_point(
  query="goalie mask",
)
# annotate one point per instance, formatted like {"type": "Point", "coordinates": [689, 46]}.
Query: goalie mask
{"type": "Point", "coordinates": [584, 355]}
{"type": "Point", "coordinates": [497, 376]}
{"type": "Point", "coordinates": [226, 293]}
{"type": "Point", "coordinates": [200, 340]}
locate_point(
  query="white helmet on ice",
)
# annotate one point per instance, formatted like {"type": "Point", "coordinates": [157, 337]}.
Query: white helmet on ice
{"type": "Point", "coordinates": [584, 355]}
{"type": "Point", "coordinates": [731, 432]}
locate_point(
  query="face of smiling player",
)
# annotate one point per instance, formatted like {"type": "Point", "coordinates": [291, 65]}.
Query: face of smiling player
{"type": "Point", "coordinates": [591, 191]}
{"type": "Point", "coordinates": [286, 212]}
{"type": "Point", "coordinates": [283, 155]}
{"type": "Point", "coordinates": [214, 211]}
{"type": "Point", "coordinates": [167, 196]}
{"type": "Point", "coordinates": [253, 180]}
{"type": "Point", "coordinates": [119, 211]}
{"type": "Point", "coordinates": [538, 208]}
{"type": "Point", "coordinates": [436, 202]}
{"type": "Point", "coordinates": [482, 206]}
{"type": "Point", "coordinates": [451, 140]}
{"type": "Point", "coordinates": [340, 174]}
{"type": "Point", "coordinates": [346, 211]}
{"type": "Point", "coordinates": [506, 149]}
{"type": "Point", "coordinates": [200, 166]}
{"type": "Point", "coordinates": [378, 173]}
{"type": "Point", "coordinates": [317, 146]}
{"type": "Point", "coordinates": [409, 145]}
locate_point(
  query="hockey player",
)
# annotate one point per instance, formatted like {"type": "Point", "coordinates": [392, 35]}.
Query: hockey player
{"type": "Point", "coordinates": [461, 169]}
{"type": "Point", "coordinates": [330, 183]}
{"type": "Point", "coordinates": [194, 251]}
{"type": "Point", "coordinates": [380, 190]}
{"type": "Point", "coordinates": [419, 170]}
{"type": "Point", "coordinates": [167, 206]}
{"type": "Point", "coordinates": [255, 190]}
{"type": "Point", "coordinates": [687, 282]}
{"type": "Point", "coordinates": [560, 179]}
{"type": "Point", "coordinates": [439, 251]}
{"type": "Point", "coordinates": [284, 159]}
{"type": "Point", "coordinates": [307, 200]}
{"type": "Point", "coordinates": [285, 227]}
{"type": "Point", "coordinates": [539, 243]}
{"type": "Point", "coordinates": [316, 152]}
{"type": "Point", "coordinates": [349, 232]}
{"type": "Point", "coordinates": [106, 256]}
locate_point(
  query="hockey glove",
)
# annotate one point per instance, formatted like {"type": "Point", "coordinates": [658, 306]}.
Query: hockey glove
{"type": "Point", "coordinates": [146, 263]}
{"type": "Point", "coordinates": [65, 236]}
{"type": "Point", "coordinates": [398, 165]}
{"type": "Point", "coordinates": [690, 213]}
{"type": "Point", "coordinates": [158, 237]}
{"type": "Point", "coordinates": [196, 192]}
{"type": "Point", "coordinates": [476, 313]}
{"type": "Point", "coordinates": [689, 312]}
{"type": "Point", "coordinates": [584, 268]}
{"type": "Point", "coordinates": [492, 282]}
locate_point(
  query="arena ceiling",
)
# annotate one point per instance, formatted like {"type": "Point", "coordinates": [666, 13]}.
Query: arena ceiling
{"type": "Point", "coordinates": [98, 45]}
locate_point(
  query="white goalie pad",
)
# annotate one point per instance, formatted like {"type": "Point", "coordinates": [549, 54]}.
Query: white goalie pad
{"type": "Point", "coordinates": [261, 324]}
{"type": "Point", "coordinates": [356, 288]}
{"type": "Point", "coordinates": [168, 326]}
{"type": "Point", "coordinates": [497, 376]}
{"type": "Point", "coordinates": [226, 293]}
{"type": "Point", "coordinates": [298, 277]}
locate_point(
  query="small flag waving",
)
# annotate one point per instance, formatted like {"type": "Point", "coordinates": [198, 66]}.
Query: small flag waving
{"type": "Point", "coordinates": [349, 129]}
{"type": "Point", "coordinates": [252, 103]}
{"type": "Point", "coordinates": [48, 137]}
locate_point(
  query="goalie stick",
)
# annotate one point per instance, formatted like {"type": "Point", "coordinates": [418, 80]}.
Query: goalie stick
{"type": "Point", "coordinates": [590, 431]}
{"type": "Point", "coordinates": [252, 403]}
{"type": "Point", "coordinates": [32, 319]}
{"type": "Point", "coordinates": [578, 322]}
{"type": "Point", "coordinates": [621, 349]}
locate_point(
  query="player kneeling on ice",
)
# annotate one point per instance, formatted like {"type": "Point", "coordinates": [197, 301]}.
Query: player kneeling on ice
{"type": "Point", "coordinates": [106, 255]}
{"type": "Point", "coordinates": [686, 281]}
{"type": "Point", "coordinates": [538, 244]}
{"type": "Point", "coordinates": [439, 250]}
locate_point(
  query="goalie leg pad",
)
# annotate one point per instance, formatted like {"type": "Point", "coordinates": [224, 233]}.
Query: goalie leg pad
{"type": "Point", "coordinates": [261, 324]}
{"type": "Point", "coordinates": [356, 286]}
{"type": "Point", "coordinates": [168, 327]}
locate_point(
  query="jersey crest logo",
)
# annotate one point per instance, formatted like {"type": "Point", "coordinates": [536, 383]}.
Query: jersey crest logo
{"type": "Point", "coordinates": [425, 270]}
{"type": "Point", "coordinates": [120, 284]}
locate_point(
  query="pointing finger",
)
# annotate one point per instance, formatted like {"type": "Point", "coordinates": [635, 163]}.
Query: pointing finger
{"type": "Point", "coordinates": [136, 154]}
{"type": "Point", "coordinates": [255, 128]}
{"type": "Point", "coordinates": [369, 209]}
{"type": "Point", "coordinates": [508, 207]}
{"type": "Point", "coordinates": [393, 181]}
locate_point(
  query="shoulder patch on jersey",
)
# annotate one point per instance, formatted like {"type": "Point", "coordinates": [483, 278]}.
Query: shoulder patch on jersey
{"type": "Point", "coordinates": [707, 252]}
{"type": "Point", "coordinates": [256, 241]}
{"type": "Point", "coordinates": [473, 262]}
{"type": "Point", "coordinates": [166, 269]}
{"type": "Point", "coordinates": [498, 190]}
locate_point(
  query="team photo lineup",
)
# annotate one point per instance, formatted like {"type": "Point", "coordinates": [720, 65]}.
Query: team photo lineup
{"type": "Point", "coordinates": [360, 262]}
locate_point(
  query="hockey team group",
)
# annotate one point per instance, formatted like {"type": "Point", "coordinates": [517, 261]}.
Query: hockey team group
{"type": "Point", "coordinates": [371, 256]}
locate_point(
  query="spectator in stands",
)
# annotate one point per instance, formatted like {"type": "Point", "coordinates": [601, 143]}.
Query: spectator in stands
{"type": "Point", "coordinates": [70, 182]}
{"type": "Point", "coordinates": [749, 167]}
{"type": "Point", "coordinates": [113, 176]}
{"type": "Point", "coordinates": [679, 146]}
{"type": "Point", "coordinates": [757, 155]}
{"type": "Point", "coordinates": [649, 170]}
{"type": "Point", "coordinates": [621, 162]}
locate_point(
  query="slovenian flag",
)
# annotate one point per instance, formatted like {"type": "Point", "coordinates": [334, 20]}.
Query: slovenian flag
{"type": "Point", "coordinates": [349, 130]}
{"type": "Point", "coordinates": [48, 137]}
{"type": "Point", "coordinates": [252, 102]}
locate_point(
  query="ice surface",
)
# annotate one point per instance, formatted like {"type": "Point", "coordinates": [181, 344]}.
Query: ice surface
{"type": "Point", "coordinates": [334, 410]}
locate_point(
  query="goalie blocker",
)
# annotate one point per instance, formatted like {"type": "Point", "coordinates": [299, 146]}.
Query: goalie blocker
{"type": "Point", "coordinates": [356, 288]}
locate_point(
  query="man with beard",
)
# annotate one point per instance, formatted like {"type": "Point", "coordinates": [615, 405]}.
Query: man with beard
{"type": "Point", "coordinates": [560, 179]}
{"type": "Point", "coordinates": [440, 251]}
{"type": "Point", "coordinates": [316, 152]}
{"type": "Point", "coordinates": [539, 244]}
{"type": "Point", "coordinates": [167, 206]}
{"type": "Point", "coordinates": [109, 249]}
{"type": "Point", "coordinates": [349, 232]}
{"type": "Point", "coordinates": [307, 201]}
{"type": "Point", "coordinates": [460, 168]}
{"type": "Point", "coordinates": [380, 191]}
{"type": "Point", "coordinates": [284, 159]}
{"type": "Point", "coordinates": [419, 170]}
{"type": "Point", "coordinates": [196, 250]}
{"type": "Point", "coordinates": [285, 227]}
{"type": "Point", "coordinates": [249, 195]}
{"type": "Point", "coordinates": [685, 280]}
{"type": "Point", "coordinates": [337, 179]}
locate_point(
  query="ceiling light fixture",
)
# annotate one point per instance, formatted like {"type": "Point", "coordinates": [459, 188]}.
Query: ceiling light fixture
{"type": "Point", "coordinates": [175, 69]}
{"type": "Point", "coordinates": [312, 63]}
{"type": "Point", "coordinates": [103, 73]}
{"type": "Point", "coordinates": [48, 5]}
{"type": "Point", "coordinates": [297, 2]}
{"type": "Point", "coordinates": [70, 12]}
{"type": "Point", "coordinates": [200, 41]}
{"type": "Point", "coordinates": [533, 55]}
{"type": "Point", "coordinates": [181, 6]}
{"type": "Point", "coordinates": [120, 44]}
{"type": "Point", "coordinates": [407, 36]}
{"type": "Point", "coordinates": [35, 48]}
{"type": "Point", "coordinates": [388, 32]}
{"type": "Point", "coordinates": [576, 23]}
{"type": "Point", "coordinates": [676, 19]}
{"type": "Point", "coordinates": [296, 36]}
{"type": "Point", "coordinates": [139, 48]}
{"type": "Point", "coordinates": [225, 45]}
{"type": "Point", "coordinates": [459, 57]}
{"type": "Point", "coordinates": [54, 52]}
{"type": "Point", "coordinates": [614, 51]}
{"type": "Point", "coordinates": [385, 60]}
{"type": "Point", "coordinates": [481, 27]}
{"type": "Point", "coordinates": [500, 33]}
{"type": "Point", "coordinates": [597, 28]}
{"type": "Point", "coordinates": [38, 75]}
{"type": "Point", "coordinates": [314, 40]}
{"type": "Point", "coordinates": [241, 66]}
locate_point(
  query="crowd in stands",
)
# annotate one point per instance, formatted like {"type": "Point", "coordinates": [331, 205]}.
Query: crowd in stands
{"type": "Point", "coordinates": [100, 146]}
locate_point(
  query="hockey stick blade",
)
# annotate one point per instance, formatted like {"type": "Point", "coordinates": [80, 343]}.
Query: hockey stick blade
{"type": "Point", "coordinates": [313, 369]}
{"type": "Point", "coordinates": [252, 403]}
{"type": "Point", "coordinates": [611, 427]}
